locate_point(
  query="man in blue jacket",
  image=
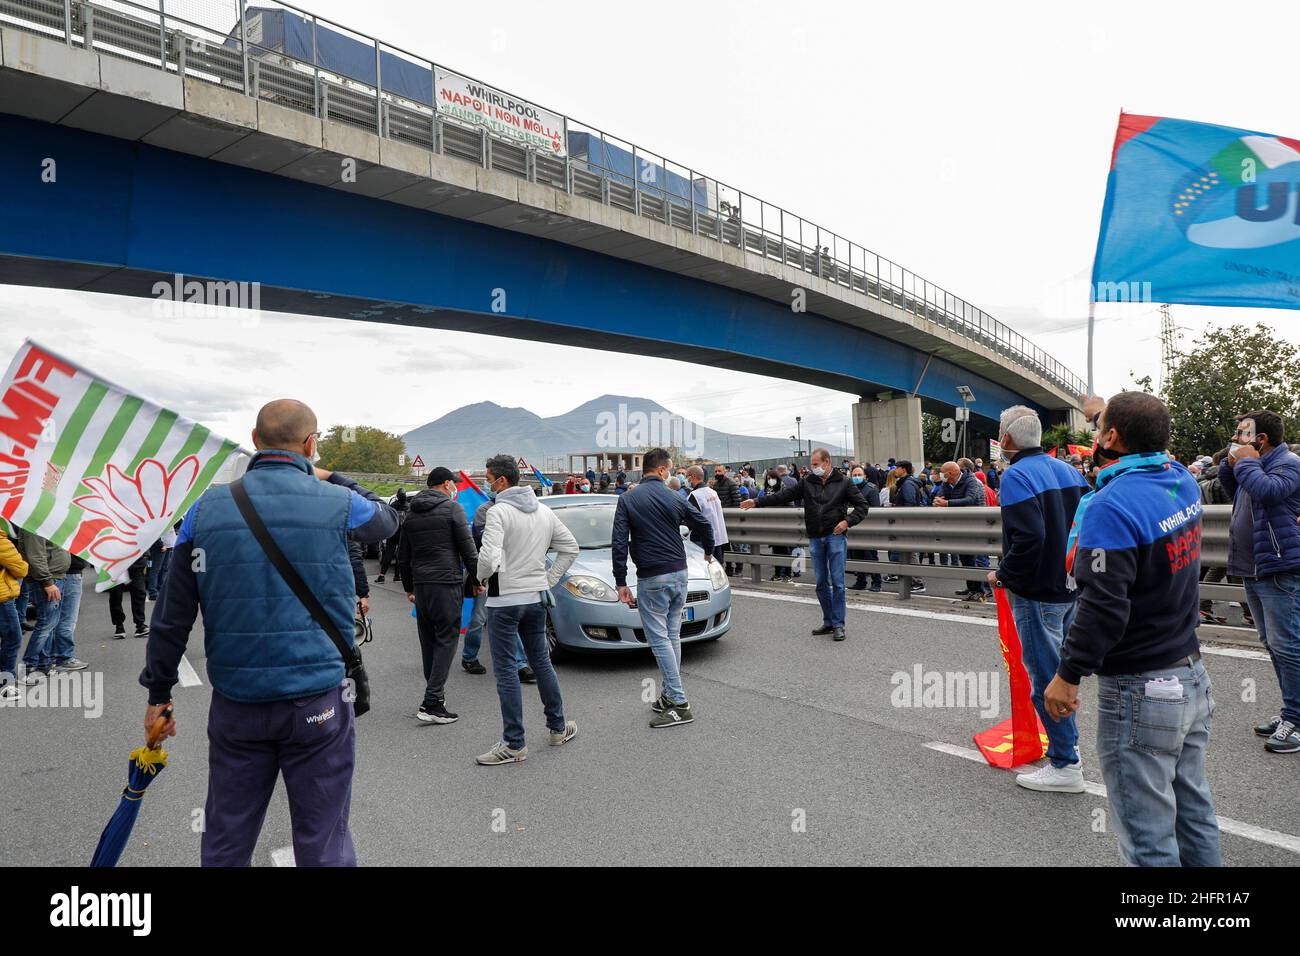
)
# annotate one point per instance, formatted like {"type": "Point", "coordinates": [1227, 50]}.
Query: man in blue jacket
{"type": "Point", "coordinates": [1263, 478]}
{"type": "Point", "coordinates": [279, 704]}
{"type": "Point", "coordinates": [1136, 557]}
{"type": "Point", "coordinates": [647, 524]}
{"type": "Point", "coordinates": [1039, 498]}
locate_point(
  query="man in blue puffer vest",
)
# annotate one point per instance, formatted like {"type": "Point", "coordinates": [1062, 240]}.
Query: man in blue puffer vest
{"type": "Point", "coordinates": [278, 701]}
{"type": "Point", "coordinates": [1263, 479]}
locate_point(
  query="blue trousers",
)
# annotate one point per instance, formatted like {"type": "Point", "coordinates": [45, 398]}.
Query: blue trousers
{"type": "Point", "coordinates": [312, 741]}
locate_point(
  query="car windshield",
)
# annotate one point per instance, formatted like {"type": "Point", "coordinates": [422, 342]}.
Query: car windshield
{"type": "Point", "coordinates": [592, 525]}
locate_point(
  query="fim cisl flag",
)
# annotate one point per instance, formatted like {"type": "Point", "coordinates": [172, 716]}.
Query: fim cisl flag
{"type": "Point", "coordinates": [1200, 215]}
{"type": "Point", "coordinates": [97, 470]}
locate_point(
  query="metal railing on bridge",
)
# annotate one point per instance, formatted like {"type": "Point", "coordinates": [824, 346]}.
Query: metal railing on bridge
{"type": "Point", "coordinates": [205, 40]}
{"type": "Point", "coordinates": [908, 532]}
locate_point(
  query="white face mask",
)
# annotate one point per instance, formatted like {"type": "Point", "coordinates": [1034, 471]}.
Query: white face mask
{"type": "Point", "coordinates": [818, 470]}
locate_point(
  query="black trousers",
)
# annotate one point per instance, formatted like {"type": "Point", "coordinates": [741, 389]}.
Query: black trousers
{"type": "Point", "coordinates": [437, 618]}
{"type": "Point", "coordinates": [135, 584]}
{"type": "Point", "coordinates": [389, 553]}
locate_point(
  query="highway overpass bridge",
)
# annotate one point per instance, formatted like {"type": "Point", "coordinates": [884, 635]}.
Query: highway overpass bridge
{"type": "Point", "coordinates": [345, 177]}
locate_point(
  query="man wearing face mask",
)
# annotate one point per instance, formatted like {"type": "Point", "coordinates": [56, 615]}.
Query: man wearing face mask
{"type": "Point", "coordinates": [827, 497]}
{"type": "Point", "coordinates": [1039, 498]}
{"type": "Point", "coordinates": [270, 664]}
{"type": "Point", "coordinates": [1262, 477]}
{"type": "Point", "coordinates": [862, 481]}
{"type": "Point", "coordinates": [435, 547]}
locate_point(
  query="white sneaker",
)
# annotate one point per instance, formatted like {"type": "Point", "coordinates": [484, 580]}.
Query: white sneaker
{"type": "Point", "coordinates": [10, 692]}
{"type": "Point", "coordinates": [1051, 779]}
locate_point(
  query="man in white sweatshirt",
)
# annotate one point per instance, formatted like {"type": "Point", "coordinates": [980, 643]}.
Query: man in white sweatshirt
{"type": "Point", "coordinates": [512, 564]}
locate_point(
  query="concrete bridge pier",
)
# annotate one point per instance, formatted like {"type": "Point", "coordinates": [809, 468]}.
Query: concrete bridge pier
{"type": "Point", "coordinates": [888, 427]}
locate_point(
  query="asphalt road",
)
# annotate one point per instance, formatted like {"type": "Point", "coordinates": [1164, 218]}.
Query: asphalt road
{"type": "Point", "coordinates": [798, 755]}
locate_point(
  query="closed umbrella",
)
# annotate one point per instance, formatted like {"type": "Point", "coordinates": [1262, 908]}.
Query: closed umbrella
{"type": "Point", "coordinates": [143, 766]}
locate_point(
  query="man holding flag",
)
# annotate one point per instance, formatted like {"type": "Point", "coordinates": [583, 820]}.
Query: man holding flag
{"type": "Point", "coordinates": [1039, 497]}
{"type": "Point", "coordinates": [279, 701]}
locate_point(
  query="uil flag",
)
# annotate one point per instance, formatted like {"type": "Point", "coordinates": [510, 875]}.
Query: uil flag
{"type": "Point", "coordinates": [98, 471]}
{"type": "Point", "coordinates": [1200, 215]}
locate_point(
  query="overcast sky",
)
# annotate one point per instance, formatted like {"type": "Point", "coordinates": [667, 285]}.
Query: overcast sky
{"type": "Point", "coordinates": [967, 142]}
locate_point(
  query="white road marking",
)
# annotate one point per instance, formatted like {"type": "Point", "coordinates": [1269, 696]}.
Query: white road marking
{"type": "Point", "coordinates": [1238, 652]}
{"type": "Point", "coordinates": [876, 608]}
{"type": "Point", "coordinates": [1284, 841]}
{"type": "Point", "coordinates": [188, 675]}
{"type": "Point", "coordinates": [283, 857]}
{"type": "Point", "coordinates": [1241, 652]}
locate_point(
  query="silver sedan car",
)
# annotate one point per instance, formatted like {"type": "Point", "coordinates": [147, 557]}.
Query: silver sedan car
{"type": "Point", "coordinates": [588, 615]}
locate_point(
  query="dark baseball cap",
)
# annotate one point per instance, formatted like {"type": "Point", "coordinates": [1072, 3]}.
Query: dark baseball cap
{"type": "Point", "coordinates": [439, 476]}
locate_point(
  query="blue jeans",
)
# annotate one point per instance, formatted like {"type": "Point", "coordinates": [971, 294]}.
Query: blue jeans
{"type": "Point", "coordinates": [1275, 605]}
{"type": "Point", "coordinates": [828, 556]}
{"type": "Point", "coordinates": [62, 646]}
{"type": "Point", "coordinates": [1042, 627]}
{"type": "Point", "coordinates": [506, 626]}
{"type": "Point", "coordinates": [1153, 760]}
{"type": "Point", "coordinates": [660, 601]}
{"type": "Point", "coordinates": [37, 655]}
{"type": "Point", "coordinates": [474, 634]}
{"type": "Point", "coordinates": [11, 639]}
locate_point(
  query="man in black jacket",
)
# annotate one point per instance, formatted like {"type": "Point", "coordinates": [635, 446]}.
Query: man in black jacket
{"type": "Point", "coordinates": [432, 553]}
{"type": "Point", "coordinates": [826, 495]}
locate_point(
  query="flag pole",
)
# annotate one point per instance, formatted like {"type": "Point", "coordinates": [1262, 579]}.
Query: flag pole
{"type": "Point", "coordinates": [1092, 321]}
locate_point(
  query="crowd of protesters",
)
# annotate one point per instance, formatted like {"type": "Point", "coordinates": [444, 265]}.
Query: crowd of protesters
{"type": "Point", "coordinates": [1100, 561]}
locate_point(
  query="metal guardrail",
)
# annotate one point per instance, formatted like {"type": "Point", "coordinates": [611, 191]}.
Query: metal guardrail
{"type": "Point", "coordinates": [912, 531]}
{"type": "Point", "coordinates": [214, 51]}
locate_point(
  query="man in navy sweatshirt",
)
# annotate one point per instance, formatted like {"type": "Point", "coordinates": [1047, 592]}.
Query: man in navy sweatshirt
{"type": "Point", "coordinates": [647, 526]}
{"type": "Point", "coordinates": [1039, 497]}
{"type": "Point", "coordinates": [1136, 556]}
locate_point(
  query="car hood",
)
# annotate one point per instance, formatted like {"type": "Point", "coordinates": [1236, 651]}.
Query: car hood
{"type": "Point", "coordinates": [599, 563]}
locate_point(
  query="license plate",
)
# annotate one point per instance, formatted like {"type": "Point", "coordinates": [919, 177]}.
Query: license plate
{"type": "Point", "coordinates": [688, 614]}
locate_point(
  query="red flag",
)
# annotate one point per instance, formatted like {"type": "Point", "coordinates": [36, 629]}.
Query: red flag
{"type": "Point", "coordinates": [1021, 739]}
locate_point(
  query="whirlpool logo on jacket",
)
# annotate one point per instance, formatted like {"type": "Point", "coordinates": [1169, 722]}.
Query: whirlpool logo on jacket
{"type": "Point", "coordinates": [321, 717]}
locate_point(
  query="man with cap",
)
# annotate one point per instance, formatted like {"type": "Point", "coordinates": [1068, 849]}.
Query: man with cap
{"type": "Point", "coordinates": [280, 704]}
{"type": "Point", "coordinates": [434, 550]}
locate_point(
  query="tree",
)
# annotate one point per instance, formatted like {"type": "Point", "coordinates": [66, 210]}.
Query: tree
{"type": "Point", "coordinates": [1058, 436]}
{"type": "Point", "coordinates": [936, 449]}
{"type": "Point", "coordinates": [1230, 371]}
{"type": "Point", "coordinates": [363, 449]}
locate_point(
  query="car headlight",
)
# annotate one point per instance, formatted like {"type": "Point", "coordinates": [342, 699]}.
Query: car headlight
{"type": "Point", "coordinates": [718, 576]}
{"type": "Point", "coordinates": [589, 588]}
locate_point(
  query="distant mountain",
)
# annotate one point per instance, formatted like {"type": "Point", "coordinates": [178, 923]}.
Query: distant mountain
{"type": "Point", "coordinates": [468, 436]}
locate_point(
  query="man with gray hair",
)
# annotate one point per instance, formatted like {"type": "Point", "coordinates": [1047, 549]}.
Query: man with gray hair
{"type": "Point", "coordinates": [1039, 498]}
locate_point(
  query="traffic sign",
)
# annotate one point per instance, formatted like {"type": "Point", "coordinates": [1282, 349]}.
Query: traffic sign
{"type": "Point", "coordinates": [419, 462]}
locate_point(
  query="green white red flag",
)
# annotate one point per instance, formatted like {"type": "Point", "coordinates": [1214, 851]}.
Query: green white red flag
{"type": "Point", "coordinates": [97, 470]}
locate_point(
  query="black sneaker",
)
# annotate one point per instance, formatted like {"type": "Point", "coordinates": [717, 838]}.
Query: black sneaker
{"type": "Point", "coordinates": [472, 666]}
{"type": "Point", "coordinates": [673, 716]}
{"type": "Point", "coordinates": [964, 595]}
{"type": "Point", "coordinates": [824, 629]}
{"type": "Point", "coordinates": [918, 587]}
{"type": "Point", "coordinates": [875, 588]}
{"type": "Point", "coordinates": [1209, 617]}
{"type": "Point", "coordinates": [119, 632]}
{"type": "Point", "coordinates": [436, 714]}
{"type": "Point", "coordinates": [526, 676]}
{"type": "Point", "coordinates": [859, 585]}
{"type": "Point", "coordinates": [1285, 740]}
{"type": "Point", "coordinates": [1269, 727]}
{"type": "Point", "coordinates": [142, 630]}
{"type": "Point", "coordinates": [661, 704]}
{"type": "Point", "coordinates": [839, 634]}
{"type": "Point", "coordinates": [380, 579]}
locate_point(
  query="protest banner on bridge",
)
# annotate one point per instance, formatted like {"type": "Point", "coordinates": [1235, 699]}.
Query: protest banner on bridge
{"type": "Point", "coordinates": [475, 103]}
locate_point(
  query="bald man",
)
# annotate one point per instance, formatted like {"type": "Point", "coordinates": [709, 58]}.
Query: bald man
{"type": "Point", "coordinates": [280, 704]}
